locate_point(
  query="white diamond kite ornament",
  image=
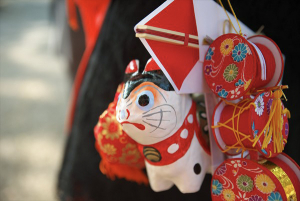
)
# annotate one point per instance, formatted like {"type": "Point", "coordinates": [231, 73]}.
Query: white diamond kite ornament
{"type": "Point", "coordinates": [173, 35]}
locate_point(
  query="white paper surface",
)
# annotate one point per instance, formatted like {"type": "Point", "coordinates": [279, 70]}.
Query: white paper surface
{"type": "Point", "coordinates": [217, 156]}
{"type": "Point", "coordinates": [210, 17]}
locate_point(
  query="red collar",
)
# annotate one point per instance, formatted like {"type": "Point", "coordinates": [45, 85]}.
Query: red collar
{"type": "Point", "coordinates": [171, 149]}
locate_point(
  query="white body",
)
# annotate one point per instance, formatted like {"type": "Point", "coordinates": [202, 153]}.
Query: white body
{"type": "Point", "coordinates": [160, 119]}
{"type": "Point", "coordinates": [181, 173]}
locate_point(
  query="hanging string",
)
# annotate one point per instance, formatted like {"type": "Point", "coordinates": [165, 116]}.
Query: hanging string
{"type": "Point", "coordinates": [281, 87]}
{"type": "Point", "coordinates": [240, 31]}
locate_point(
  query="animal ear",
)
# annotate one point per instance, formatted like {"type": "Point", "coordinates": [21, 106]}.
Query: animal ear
{"type": "Point", "coordinates": [132, 67]}
{"type": "Point", "coordinates": [151, 65]}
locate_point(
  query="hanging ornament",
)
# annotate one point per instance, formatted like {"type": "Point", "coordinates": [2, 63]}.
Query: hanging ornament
{"type": "Point", "coordinates": [259, 123]}
{"type": "Point", "coordinates": [165, 126]}
{"type": "Point", "coordinates": [169, 34]}
{"type": "Point", "coordinates": [234, 66]}
{"type": "Point", "coordinates": [267, 179]}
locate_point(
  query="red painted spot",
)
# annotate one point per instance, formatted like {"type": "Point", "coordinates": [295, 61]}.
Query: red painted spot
{"type": "Point", "coordinates": [139, 126]}
{"type": "Point", "coordinates": [127, 113]}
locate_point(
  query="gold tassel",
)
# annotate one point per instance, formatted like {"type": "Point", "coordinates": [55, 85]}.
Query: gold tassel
{"type": "Point", "coordinates": [274, 125]}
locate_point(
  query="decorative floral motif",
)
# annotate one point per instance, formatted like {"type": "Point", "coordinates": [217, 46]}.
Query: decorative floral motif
{"type": "Point", "coordinates": [226, 46]}
{"type": "Point", "coordinates": [239, 83]}
{"type": "Point", "coordinates": [247, 84]}
{"type": "Point", "coordinates": [208, 69]}
{"type": "Point", "coordinates": [235, 93]}
{"type": "Point", "coordinates": [228, 195]}
{"type": "Point", "coordinates": [248, 49]}
{"type": "Point", "coordinates": [239, 52]}
{"type": "Point", "coordinates": [242, 196]}
{"type": "Point", "coordinates": [264, 151]}
{"type": "Point", "coordinates": [264, 183]}
{"type": "Point", "coordinates": [269, 104]}
{"type": "Point", "coordinates": [267, 94]}
{"type": "Point", "coordinates": [286, 128]}
{"type": "Point", "coordinates": [259, 102]}
{"type": "Point", "coordinates": [254, 131]}
{"type": "Point", "coordinates": [221, 170]}
{"type": "Point", "coordinates": [236, 163]}
{"type": "Point", "coordinates": [111, 128]}
{"type": "Point", "coordinates": [209, 54]}
{"type": "Point", "coordinates": [223, 93]}
{"type": "Point", "coordinates": [275, 196]}
{"type": "Point", "coordinates": [109, 149]}
{"type": "Point", "coordinates": [244, 183]}
{"type": "Point", "coordinates": [130, 154]}
{"type": "Point", "coordinates": [256, 198]}
{"type": "Point", "coordinates": [218, 88]}
{"type": "Point", "coordinates": [266, 132]}
{"type": "Point", "coordinates": [230, 72]}
{"type": "Point", "coordinates": [216, 187]}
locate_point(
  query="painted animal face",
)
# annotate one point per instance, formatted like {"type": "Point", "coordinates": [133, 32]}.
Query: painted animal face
{"type": "Point", "coordinates": [150, 114]}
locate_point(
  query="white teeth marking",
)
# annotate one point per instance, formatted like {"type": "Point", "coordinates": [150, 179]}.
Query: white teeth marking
{"type": "Point", "coordinates": [173, 148]}
{"type": "Point", "coordinates": [190, 118]}
{"type": "Point", "coordinates": [184, 133]}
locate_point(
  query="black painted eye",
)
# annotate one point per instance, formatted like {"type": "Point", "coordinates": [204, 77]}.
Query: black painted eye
{"type": "Point", "coordinates": [144, 100]}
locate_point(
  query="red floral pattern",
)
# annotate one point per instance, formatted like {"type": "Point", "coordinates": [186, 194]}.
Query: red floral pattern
{"type": "Point", "coordinates": [230, 63]}
{"type": "Point", "coordinates": [240, 177]}
{"type": "Point", "coordinates": [119, 153]}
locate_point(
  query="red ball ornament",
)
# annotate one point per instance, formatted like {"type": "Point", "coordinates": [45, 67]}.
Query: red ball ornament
{"type": "Point", "coordinates": [256, 124]}
{"type": "Point", "coordinates": [235, 65]}
{"type": "Point", "coordinates": [242, 179]}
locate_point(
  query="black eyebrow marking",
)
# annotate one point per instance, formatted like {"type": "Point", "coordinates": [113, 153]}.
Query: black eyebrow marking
{"type": "Point", "coordinates": [128, 100]}
{"type": "Point", "coordinates": [152, 87]}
